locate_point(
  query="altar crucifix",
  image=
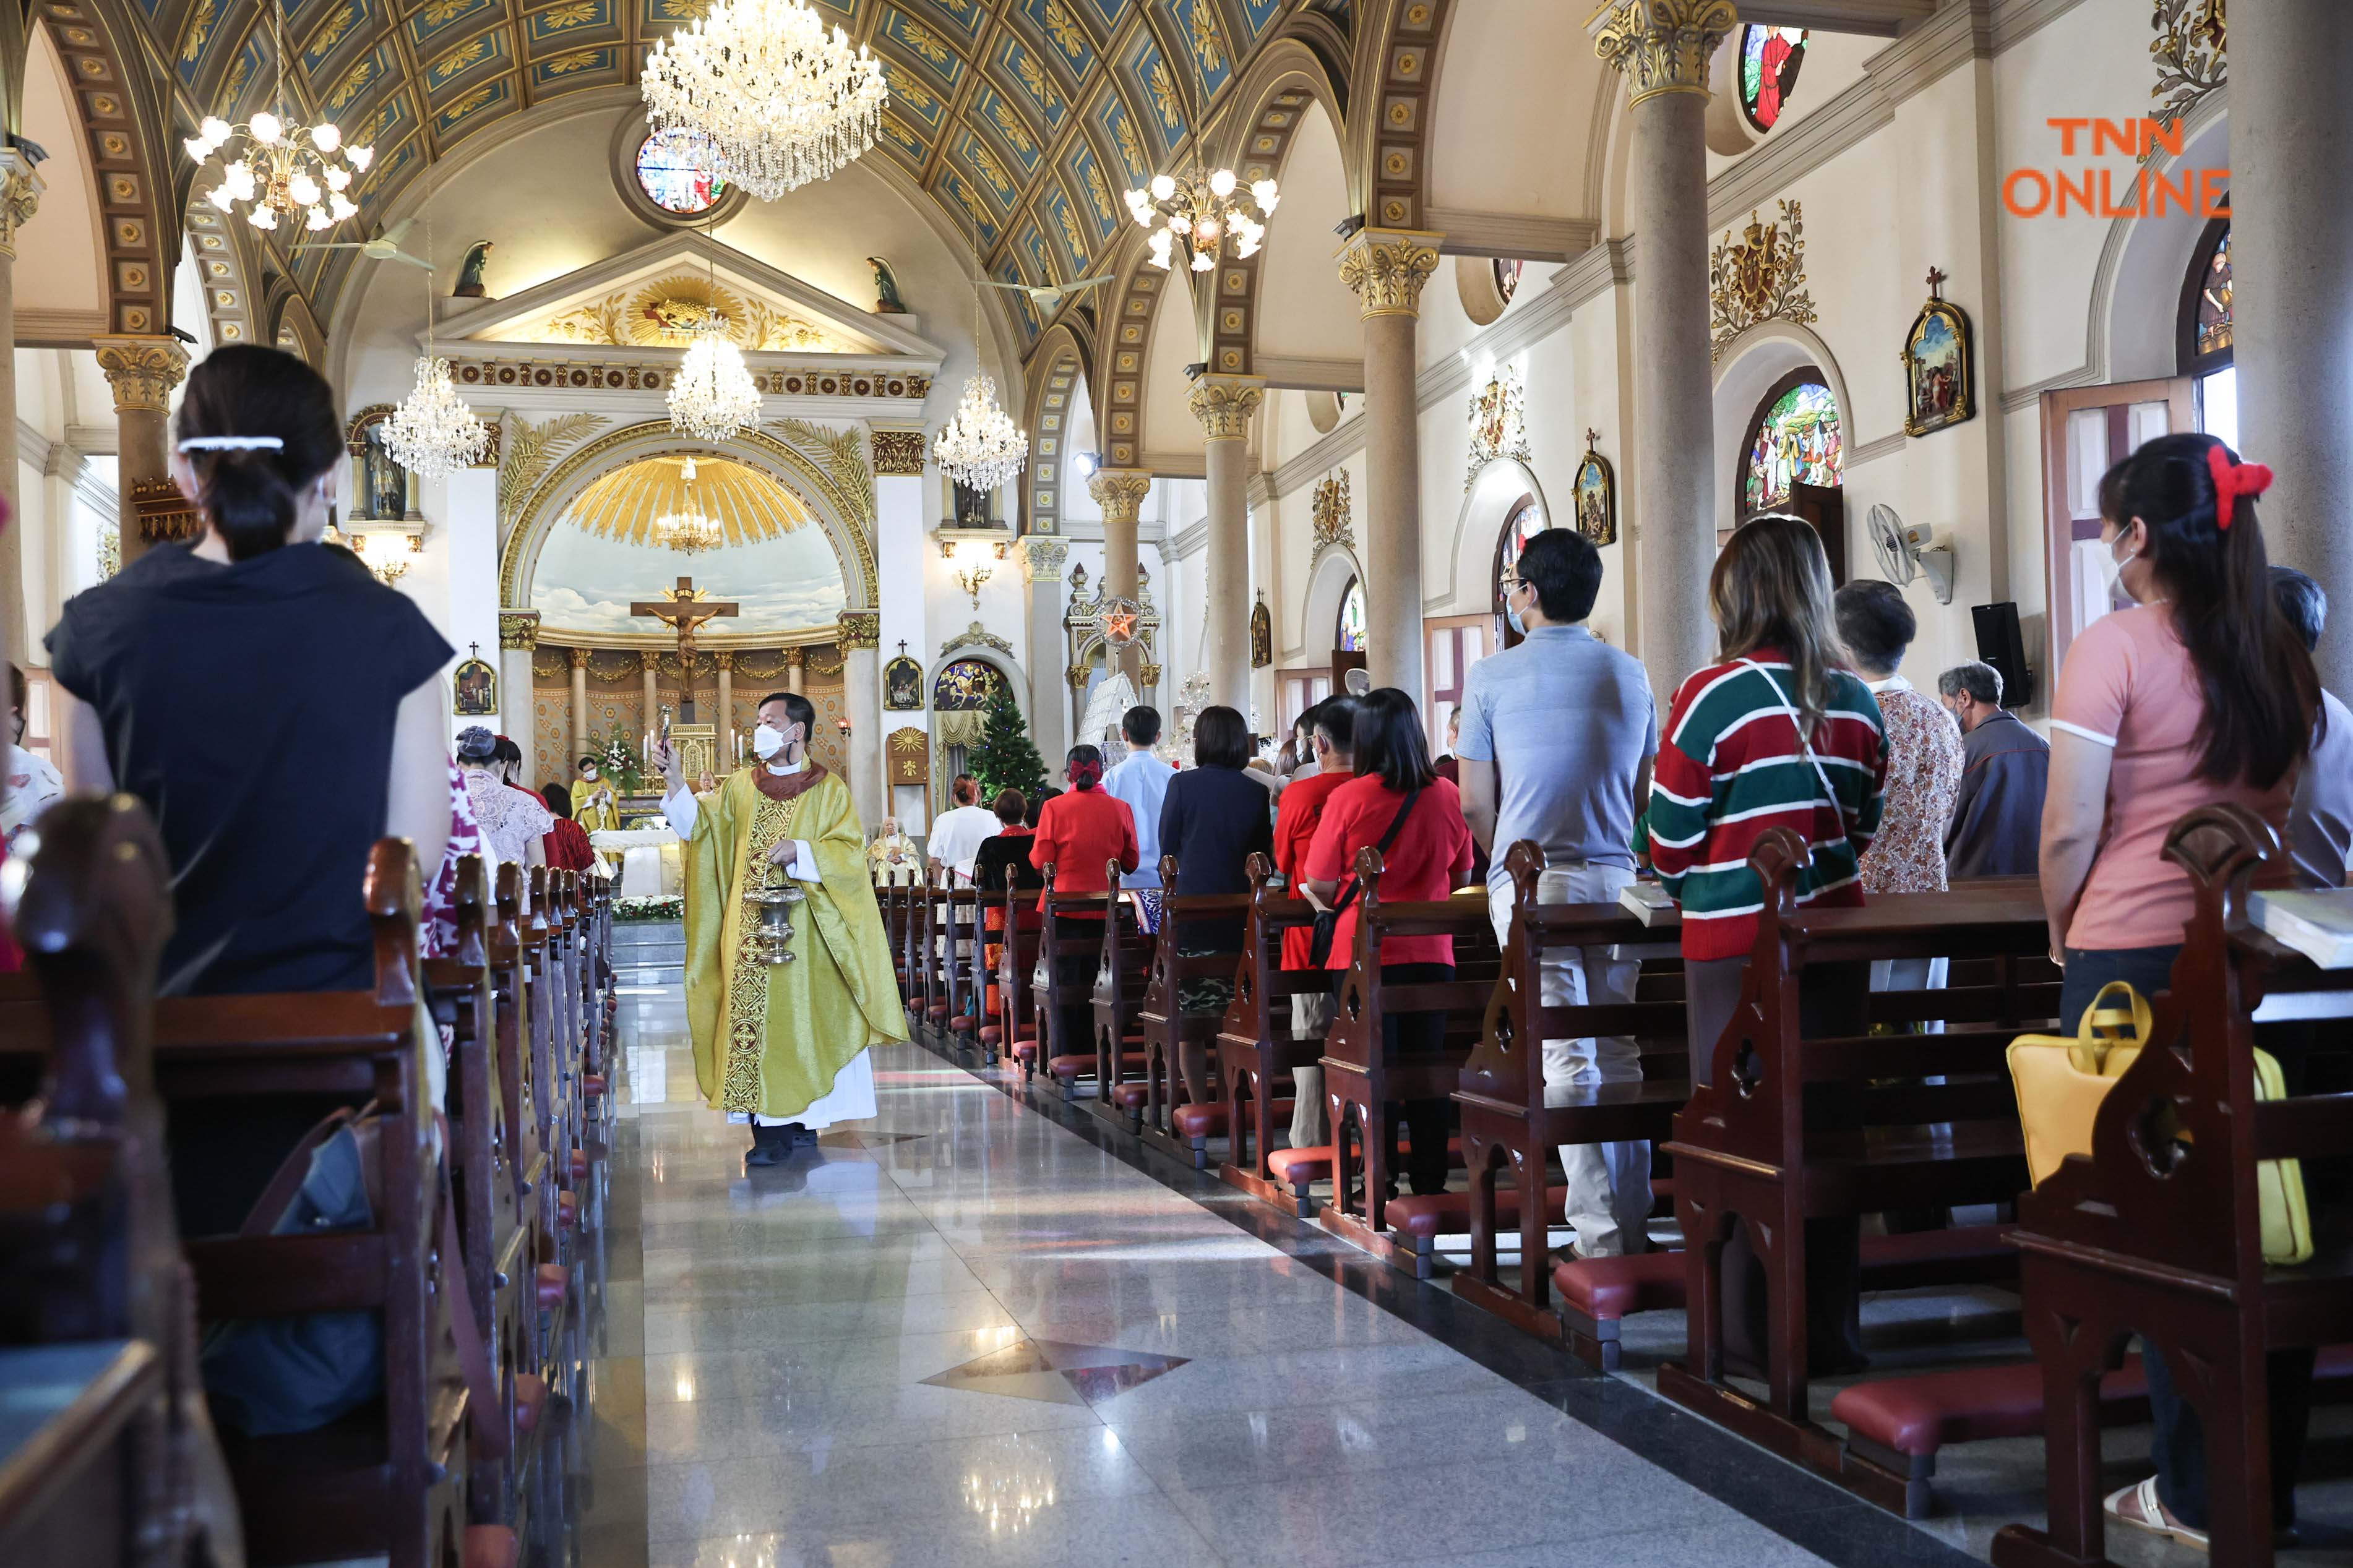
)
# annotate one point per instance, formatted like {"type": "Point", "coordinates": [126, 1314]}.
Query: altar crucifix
{"type": "Point", "coordinates": [685, 608]}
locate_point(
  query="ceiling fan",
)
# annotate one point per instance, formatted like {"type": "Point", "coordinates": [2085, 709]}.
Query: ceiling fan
{"type": "Point", "coordinates": [383, 248]}
{"type": "Point", "coordinates": [1045, 297]}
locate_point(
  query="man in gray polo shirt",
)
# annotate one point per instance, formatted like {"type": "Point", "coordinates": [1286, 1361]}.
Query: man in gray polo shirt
{"type": "Point", "coordinates": [1558, 738]}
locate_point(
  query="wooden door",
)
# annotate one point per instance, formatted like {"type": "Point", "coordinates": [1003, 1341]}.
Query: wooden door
{"type": "Point", "coordinates": [1451, 646]}
{"type": "Point", "coordinates": [1824, 505]}
{"type": "Point", "coordinates": [2085, 430]}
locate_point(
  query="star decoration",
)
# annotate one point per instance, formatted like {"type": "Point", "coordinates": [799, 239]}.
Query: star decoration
{"type": "Point", "coordinates": [1057, 1373]}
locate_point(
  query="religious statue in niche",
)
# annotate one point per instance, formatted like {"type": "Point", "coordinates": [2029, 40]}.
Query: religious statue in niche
{"type": "Point", "coordinates": [1595, 490]}
{"type": "Point", "coordinates": [1762, 278]}
{"type": "Point", "coordinates": [469, 285]}
{"type": "Point", "coordinates": [1499, 425]}
{"type": "Point", "coordinates": [886, 289]}
{"type": "Point", "coordinates": [902, 684]}
{"type": "Point", "coordinates": [1262, 634]}
{"type": "Point", "coordinates": [382, 483]}
{"type": "Point", "coordinates": [972, 507]}
{"type": "Point", "coordinates": [1938, 378]}
{"type": "Point", "coordinates": [476, 686]}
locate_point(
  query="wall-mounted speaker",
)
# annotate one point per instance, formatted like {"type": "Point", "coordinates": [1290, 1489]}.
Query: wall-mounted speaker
{"type": "Point", "coordinates": [2001, 645]}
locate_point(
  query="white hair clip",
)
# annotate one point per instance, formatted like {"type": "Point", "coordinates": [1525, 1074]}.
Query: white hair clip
{"type": "Point", "coordinates": [233, 443]}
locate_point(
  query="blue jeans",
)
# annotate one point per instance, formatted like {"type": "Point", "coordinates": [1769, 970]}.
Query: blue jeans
{"type": "Point", "coordinates": [2178, 1447]}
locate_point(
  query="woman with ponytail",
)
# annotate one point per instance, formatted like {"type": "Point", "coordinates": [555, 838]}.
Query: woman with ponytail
{"type": "Point", "coordinates": [1081, 835]}
{"type": "Point", "coordinates": [2199, 692]}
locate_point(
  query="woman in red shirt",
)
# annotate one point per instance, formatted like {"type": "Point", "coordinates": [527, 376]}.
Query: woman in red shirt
{"type": "Point", "coordinates": [1396, 795]}
{"type": "Point", "coordinates": [568, 849]}
{"type": "Point", "coordinates": [1079, 834]}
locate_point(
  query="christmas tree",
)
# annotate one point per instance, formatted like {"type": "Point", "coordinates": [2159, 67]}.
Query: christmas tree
{"type": "Point", "coordinates": [1004, 757]}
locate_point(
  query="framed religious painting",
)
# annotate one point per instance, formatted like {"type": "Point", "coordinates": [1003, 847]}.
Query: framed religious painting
{"type": "Point", "coordinates": [903, 686]}
{"type": "Point", "coordinates": [1939, 369]}
{"type": "Point", "coordinates": [476, 686]}
{"type": "Point", "coordinates": [1595, 491]}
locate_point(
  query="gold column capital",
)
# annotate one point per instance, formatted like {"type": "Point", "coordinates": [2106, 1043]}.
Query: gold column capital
{"type": "Point", "coordinates": [20, 193]}
{"type": "Point", "coordinates": [1385, 268]}
{"type": "Point", "coordinates": [1663, 46]}
{"type": "Point", "coordinates": [1042, 557]}
{"type": "Point", "coordinates": [1224, 404]}
{"type": "Point", "coordinates": [1120, 491]}
{"type": "Point", "coordinates": [896, 452]}
{"type": "Point", "coordinates": [726, 658]}
{"type": "Point", "coordinates": [519, 629]}
{"type": "Point", "coordinates": [858, 630]}
{"type": "Point", "coordinates": [579, 657]}
{"type": "Point", "coordinates": [142, 370]}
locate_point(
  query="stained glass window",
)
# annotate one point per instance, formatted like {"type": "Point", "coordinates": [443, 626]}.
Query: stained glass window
{"type": "Point", "coordinates": [1507, 278]}
{"type": "Point", "coordinates": [1350, 634]}
{"type": "Point", "coordinates": [964, 687]}
{"type": "Point", "coordinates": [2206, 336]}
{"type": "Point", "coordinates": [1769, 58]}
{"type": "Point", "coordinates": [675, 170]}
{"type": "Point", "coordinates": [1796, 439]}
{"type": "Point", "coordinates": [2213, 331]}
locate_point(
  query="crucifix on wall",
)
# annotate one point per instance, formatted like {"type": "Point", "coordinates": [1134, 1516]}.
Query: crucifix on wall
{"type": "Point", "coordinates": [685, 608]}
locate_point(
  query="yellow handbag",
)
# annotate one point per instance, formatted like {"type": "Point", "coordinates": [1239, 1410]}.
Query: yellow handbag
{"type": "Point", "coordinates": [2061, 1081]}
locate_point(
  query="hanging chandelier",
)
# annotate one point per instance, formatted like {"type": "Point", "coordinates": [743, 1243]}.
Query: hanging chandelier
{"type": "Point", "coordinates": [980, 448]}
{"type": "Point", "coordinates": [1202, 211]}
{"type": "Point", "coordinates": [282, 171]}
{"type": "Point", "coordinates": [712, 396]}
{"type": "Point", "coordinates": [784, 103]}
{"type": "Point", "coordinates": [689, 530]}
{"type": "Point", "coordinates": [433, 430]}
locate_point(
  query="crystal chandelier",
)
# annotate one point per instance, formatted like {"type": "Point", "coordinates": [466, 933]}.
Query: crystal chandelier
{"type": "Point", "coordinates": [784, 103]}
{"type": "Point", "coordinates": [712, 396]}
{"type": "Point", "coordinates": [433, 430]}
{"type": "Point", "coordinates": [1200, 212]}
{"type": "Point", "coordinates": [980, 448]}
{"type": "Point", "coordinates": [689, 530]}
{"type": "Point", "coordinates": [283, 171]}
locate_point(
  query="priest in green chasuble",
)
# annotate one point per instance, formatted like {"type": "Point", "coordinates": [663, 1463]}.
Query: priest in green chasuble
{"type": "Point", "coordinates": [782, 1046]}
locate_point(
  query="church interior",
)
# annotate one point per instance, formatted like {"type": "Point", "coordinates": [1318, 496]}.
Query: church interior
{"type": "Point", "coordinates": [974, 372]}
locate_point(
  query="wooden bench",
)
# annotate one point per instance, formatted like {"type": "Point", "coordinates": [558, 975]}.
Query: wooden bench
{"type": "Point", "coordinates": [962, 971]}
{"type": "Point", "coordinates": [1017, 1023]}
{"type": "Point", "coordinates": [1793, 1128]}
{"type": "Point", "coordinates": [1167, 1028]}
{"type": "Point", "coordinates": [1257, 1047]}
{"type": "Point", "coordinates": [931, 940]}
{"type": "Point", "coordinates": [2158, 1230]}
{"type": "Point", "coordinates": [1123, 1086]}
{"type": "Point", "coordinates": [1513, 1122]}
{"type": "Point", "coordinates": [1361, 1081]}
{"type": "Point", "coordinates": [1070, 929]}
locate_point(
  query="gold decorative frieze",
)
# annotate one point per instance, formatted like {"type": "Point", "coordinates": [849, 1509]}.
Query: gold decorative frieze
{"type": "Point", "coordinates": [858, 629]}
{"type": "Point", "coordinates": [519, 628]}
{"type": "Point", "coordinates": [166, 516]}
{"type": "Point", "coordinates": [575, 376]}
{"type": "Point", "coordinates": [1763, 279]}
{"type": "Point", "coordinates": [898, 453]}
{"type": "Point", "coordinates": [1224, 404]}
{"type": "Point", "coordinates": [527, 449]}
{"type": "Point", "coordinates": [1385, 268]}
{"type": "Point", "coordinates": [1663, 46]}
{"type": "Point", "coordinates": [666, 313]}
{"type": "Point", "coordinates": [142, 370]}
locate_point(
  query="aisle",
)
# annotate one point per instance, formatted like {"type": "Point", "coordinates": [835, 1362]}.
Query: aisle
{"type": "Point", "coordinates": [964, 1334]}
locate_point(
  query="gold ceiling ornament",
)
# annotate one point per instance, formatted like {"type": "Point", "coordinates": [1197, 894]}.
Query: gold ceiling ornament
{"type": "Point", "coordinates": [1663, 46]}
{"type": "Point", "coordinates": [1385, 268]}
{"type": "Point", "coordinates": [531, 448]}
{"type": "Point", "coordinates": [1224, 404]}
{"type": "Point", "coordinates": [1200, 209]}
{"type": "Point", "coordinates": [745, 505]}
{"type": "Point", "coordinates": [1763, 279]}
{"type": "Point", "coordinates": [1330, 506]}
{"type": "Point", "coordinates": [2191, 54]}
{"type": "Point", "coordinates": [666, 313]}
{"type": "Point", "coordinates": [844, 461]}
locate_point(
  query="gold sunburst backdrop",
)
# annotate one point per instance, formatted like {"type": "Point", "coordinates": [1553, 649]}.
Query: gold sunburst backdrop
{"type": "Point", "coordinates": [665, 312]}
{"type": "Point", "coordinates": [747, 504]}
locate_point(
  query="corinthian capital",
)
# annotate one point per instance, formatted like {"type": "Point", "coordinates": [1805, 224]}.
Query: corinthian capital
{"type": "Point", "coordinates": [518, 628]}
{"type": "Point", "coordinates": [20, 193]}
{"type": "Point", "coordinates": [1385, 268]}
{"type": "Point", "coordinates": [1119, 491]}
{"type": "Point", "coordinates": [858, 630]}
{"type": "Point", "coordinates": [1224, 404]}
{"type": "Point", "coordinates": [142, 370]}
{"type": "Point", "coordinates": [1664, 45]}
{"type": "Point", "coordinates": [1044, 556]}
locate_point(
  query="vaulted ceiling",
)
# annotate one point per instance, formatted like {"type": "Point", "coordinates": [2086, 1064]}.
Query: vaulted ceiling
{"type": "Point", "coordinates": [1025, 119]}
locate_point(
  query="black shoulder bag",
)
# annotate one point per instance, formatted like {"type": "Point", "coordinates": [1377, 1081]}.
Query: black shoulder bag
{"type": "Point", "coordinates": [1328, 921]}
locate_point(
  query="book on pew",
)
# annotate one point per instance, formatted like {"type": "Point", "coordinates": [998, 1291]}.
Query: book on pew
{"type": "Point", "coordinates": [2318, 924]}
{"type": "Point", "coordinates": [1647, 902]}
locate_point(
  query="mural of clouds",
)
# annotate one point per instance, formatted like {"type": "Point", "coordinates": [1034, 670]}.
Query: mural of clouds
{"type": "Point", "coordinates": [585, 584]}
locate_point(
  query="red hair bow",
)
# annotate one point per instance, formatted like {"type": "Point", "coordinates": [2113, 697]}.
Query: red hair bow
{"type": "Point", "coordinates": [1085, 776]}
{"type": "Point", "coordinates": [2232, 479]}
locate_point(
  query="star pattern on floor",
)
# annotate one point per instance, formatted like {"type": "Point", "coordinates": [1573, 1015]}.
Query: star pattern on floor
{"type": "Point", "coordinates": [1057, 1373]}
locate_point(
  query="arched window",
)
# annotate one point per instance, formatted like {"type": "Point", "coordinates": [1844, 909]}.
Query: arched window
{"type": "Point", "coordinates": [965, 687]}
{"type": "Point", "coordinates": [677, 170]}
{"type": "Point", "coordinates": [1348, 634]}
{"type": "Point", "coordinates": [2205, 349]}
{"type": "Point", "coordinates": [1794, 439]}
{"type": "Point", "coordinates": [1522, 523]}
{"type": "Point", "coordinates": [1769, 58]}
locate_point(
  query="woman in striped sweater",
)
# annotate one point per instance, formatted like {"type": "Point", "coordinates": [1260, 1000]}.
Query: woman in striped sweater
{"type": "Point", "coordinates": [1774, 734]}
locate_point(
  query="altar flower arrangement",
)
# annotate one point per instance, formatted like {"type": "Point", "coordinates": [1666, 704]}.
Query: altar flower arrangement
{"type": "Point", "coordinates": [618, 760]}
{"type": "Point", "coordinates": [668, 906]}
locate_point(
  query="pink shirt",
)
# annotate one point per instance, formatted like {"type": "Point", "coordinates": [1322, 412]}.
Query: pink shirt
{"type": "Point", "coordinates": [2129, 685]}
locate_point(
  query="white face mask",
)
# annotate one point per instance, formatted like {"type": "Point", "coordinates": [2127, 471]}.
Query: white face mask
{"type": "Point", "coordinates": [589, 774]}
{"type": "Point", "coordinates": [766, 742]}
{"type": "Point", "coordinates": [2112, 571]}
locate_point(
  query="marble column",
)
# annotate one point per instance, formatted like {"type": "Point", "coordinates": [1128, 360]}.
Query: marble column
{"type": "Point", "coordinates": [859, 638]}
{"type": "Point", "coordinates": [517, 635]}
{"type": "Point", "coordinates": [2292, 263]}
{"type": "Point", "coordinates": [1662, 46]}
{"type": "Point", "coordinates": [142, 372]}
{"type": "Point", "coordinates": [20, 193]}
{"type": "Point", "coordinates": [725, 719]}
{"type": "Point", "coordinates": [1120, 492]}
{"type": "Point", "coordinates": [1224, 404]}
{"type": "Point", "coordinates": [583, 738]}
{"type": "Point", "coordinates": [795, 670]}
{"type": "Point", "coordinates": [1385, 269]}
{"type": "Point", "coordinates": [1042, 556]}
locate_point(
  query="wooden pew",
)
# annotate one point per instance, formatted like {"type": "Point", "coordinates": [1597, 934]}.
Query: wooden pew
{"type": "Point", "coordinates": [1166, 1027]}
{"type": "Point", "coordinates": [1122, 1084]}
{"type": "Point", "coordinates": [1017, 1024]}
{"type": "Point", "coordinates": [931, 952]}
{"type": "Point", "coordinates": [961, 965]}
{"type": "Point", "coordinates": [1512, 1121]}
{"type": "Point", "coordinates": [1071, 928]}
{"type": "Point", "coordinates": [99, 1319]}
{"type": "Point", "coordinates": [2160, 1231]}
{"type": "Point", "coordinates": [1793, 1128]}
{"type": "Point", "coordinates": [1360, 1079]}
{"type": "Point", "coordinates": [1257, 1047]}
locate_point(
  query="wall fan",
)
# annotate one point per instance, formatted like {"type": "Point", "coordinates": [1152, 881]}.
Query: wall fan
{"type": "Point", "coordinates": [1905, 552]}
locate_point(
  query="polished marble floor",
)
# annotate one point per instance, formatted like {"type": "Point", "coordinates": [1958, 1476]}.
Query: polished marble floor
{"type": "Point", "coordinates": [968, 1333]}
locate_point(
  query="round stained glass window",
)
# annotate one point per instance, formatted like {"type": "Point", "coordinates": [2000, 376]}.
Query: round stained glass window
{"type": "Point", "coordinates": [678, 171]}
{"type": "Point", "coordinates": [1795, 440]}
{"type": "Point", "coordinates": [1351, 629]}
{"type": "Point", "coordinates": [1769, 58]}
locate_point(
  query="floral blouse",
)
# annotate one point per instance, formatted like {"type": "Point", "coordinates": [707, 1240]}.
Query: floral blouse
{"type": "Point", "coordinates": [439, 933]}
{"type": "Point", "coordinates": [510, 818]}
{"type": "Point", "coordinates": [1923, 778]}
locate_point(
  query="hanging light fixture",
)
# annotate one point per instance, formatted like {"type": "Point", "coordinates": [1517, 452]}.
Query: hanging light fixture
{"type": "Point", "coordinates": [712, 395]}
{"type": "Point", "coordinates": [283, 170]}
{"type": "Point", "coordinates": [690, 530]}
{"type": "Point", "coordinates": [1204, 210]}
{"type": "Point", "coordinates": [980, 448]}
{"type": "Point", "coordinates": [784, 103]}
{"type": "Point", "coordinates": [434, 431]}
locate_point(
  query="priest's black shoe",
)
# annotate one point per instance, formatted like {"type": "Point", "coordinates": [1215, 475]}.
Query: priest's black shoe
{"type": "Point", "coordinates": [771, 1145]}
